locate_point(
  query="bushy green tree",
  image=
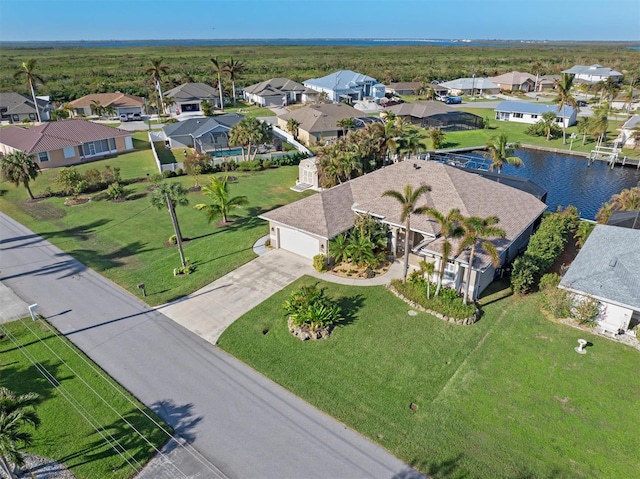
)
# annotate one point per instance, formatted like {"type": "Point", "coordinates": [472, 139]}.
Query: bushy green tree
{"type": "Point", "coordinates": [71, 181]}
{"type": "Point", "coordinates": [19, 168]}
{"type": "Point", "coordinates": [309, 306]}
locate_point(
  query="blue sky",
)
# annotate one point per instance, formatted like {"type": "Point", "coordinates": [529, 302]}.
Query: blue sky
{"type": "Point", "coordinates": [596, 20]}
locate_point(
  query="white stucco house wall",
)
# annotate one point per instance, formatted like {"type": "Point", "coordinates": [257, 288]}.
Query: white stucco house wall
{"type": "Point", "coordinates": [347, 85]}
{"type": "Point", "coordinates": [526, 112]}
{"type": "Point", "coordinates": [594, 73]}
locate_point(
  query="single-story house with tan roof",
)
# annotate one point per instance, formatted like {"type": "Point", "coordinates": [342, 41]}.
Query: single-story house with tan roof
{"type": "Point", "coordinates": [124, 104]}
{"type": "Point", "coordinates": [404, 88]}
{"type": "Point", "coordinates": [278, 92]}
{"type": "Point", "coordinates": [547, 82]}
{"type": "Point", "coordinates": [65, 142]}
{"type": "Point", "coordinates": [306, 226]}
{"type": "Point", "coordinates": [319, 122]}
{"type": "Point", "coordinates": [434, 114]}
{"type": "Point", "coordinates": [515, 81]}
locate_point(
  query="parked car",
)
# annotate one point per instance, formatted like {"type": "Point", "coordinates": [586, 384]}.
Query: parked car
{"type": "Point", "coordinates": [453, 100]}
{"type": "Point", "coordinates": [124, 117]}
{"type": "Point", "coordinates": [136, 117]}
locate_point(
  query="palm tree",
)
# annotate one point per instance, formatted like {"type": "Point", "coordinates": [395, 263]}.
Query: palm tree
{"type": "Point", "coordinates": [218, 193]}
{"type": "Point", "coordinates": [218, 69]}
{"type": "Point", "coordinates": [15, 413]}
{"type": "Point", "coordinates": [169, 195]}
{"type": "Point", "coordinates": [169, 101]}
{"type": "Point", "coordinates": [599, 123]}
{"type": "Point", "coordinates": [476, 232]}
{"type": "Point", "coordinates": [628, 94]}
{"type": "Point", "coordinates": [500, 151]}
{"type": "Point", "coordinates": [19, 167]}
{"type": "Point", "coordinates": [360, 250]}
{"type": "Point", "coordinates": [234, 68]}
{"type": "Point", "coordinates": [156, 70]}
{"type": "Point", "coordinates": [584, 127]}
{"type": "Point", "coordinates": [338, 248]}
{"type": "Point", "coordinates": [292, 127]}
{"type": "Point", "coordinates": [548, 120]}
{"type": "Point", "coordinates": [427, 270]}
{"type": "Point", "coordinates": [408, 207]}
{"type": "Point", "coordinates": [96, 108]}
{"type": "Point", "coordinates": [449, 228]}
{"type": "Point", "coordinates": [248, 133]}
{"type": "Point", "coordinates": [346, 124]}
{"type": "Point", "coordinates": [27, 71]}
{"type": "Point", "coordinates": [563, 88]}
{"type": "Point", "coordinates": [109, 110]}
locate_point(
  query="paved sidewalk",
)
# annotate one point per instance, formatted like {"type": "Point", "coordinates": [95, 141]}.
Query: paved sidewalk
{"type": "Point", "coordinates": [212, 309]}
{"type": "Point", "coordinates": [13, 307]}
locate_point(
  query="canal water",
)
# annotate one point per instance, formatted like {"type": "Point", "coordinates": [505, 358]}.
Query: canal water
{"type": "Point", "coordinates": [570, 181]}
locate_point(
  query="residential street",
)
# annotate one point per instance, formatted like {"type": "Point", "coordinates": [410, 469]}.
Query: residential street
{"type": "Point", "coordinates": [242, 423]}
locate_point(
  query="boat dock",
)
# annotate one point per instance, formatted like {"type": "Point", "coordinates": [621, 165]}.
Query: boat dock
{"type": "Point", "coordinates": [612, 157]}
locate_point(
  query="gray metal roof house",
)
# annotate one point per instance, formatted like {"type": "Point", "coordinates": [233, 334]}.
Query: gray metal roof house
{"type": "Point", "coordinates": [527, 112]}
{"type": "Point", "coordinates": [607, 268]}
{"type": "Point", "coordinates": [593, 73]}
{"type": "Point", "coordinates": [347, 85]}
{"type": "Point", "coordinates": [205, 135]}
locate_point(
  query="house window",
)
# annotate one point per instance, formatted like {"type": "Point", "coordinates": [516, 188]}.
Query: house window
{"type": "Point", "coordinates": [112, 144]}
{"type": "Point", "coordinates": [517, 115]}
{"type": "Point", "coordinates": [69, 152]}
{"type": "Point", "coordinates": [533, 117]}
{"type": "Point", "coordinates": [449, 271]}
{"type": "Point", "coordinates": [15, 117]}
{"type": "Point", "coordinates": [32, 116]}
{"type": "Point", "coordinates": [43, 156]}
{"type": "Point", "coordinates": [558, 120]}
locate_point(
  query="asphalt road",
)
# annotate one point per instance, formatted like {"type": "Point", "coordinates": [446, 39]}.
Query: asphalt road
{"type": "Point", "coordinates": [242, 423]}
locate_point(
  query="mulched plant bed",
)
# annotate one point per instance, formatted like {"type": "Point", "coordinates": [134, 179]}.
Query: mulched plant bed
{"type": "Point", "coordinates": [77, 201]}
{"type": "Point", "coordinates": [350, 270]}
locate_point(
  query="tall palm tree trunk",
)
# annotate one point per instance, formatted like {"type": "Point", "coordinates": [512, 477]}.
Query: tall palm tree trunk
{"type": "Point", "coordinates": [564, 126]}
{"type": "Point", "coordinates": [176, 228]}
{"type": "Point", "coordinates": [407, 248]}
{"type": "Point", "coordinates": [220, 90]}
{"type": "Point", "coordinates": [28, 188]}
{"type": "Point", "coordinates": [35, 101]}
{"type": "Point", "coordinates": [467, 280]}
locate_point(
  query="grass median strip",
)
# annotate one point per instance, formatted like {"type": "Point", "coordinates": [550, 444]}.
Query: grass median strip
{"type": "Point", "coordinates": [89, 422]}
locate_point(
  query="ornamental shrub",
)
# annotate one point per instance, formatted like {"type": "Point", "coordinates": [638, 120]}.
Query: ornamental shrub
{"type": "Point", "coordinates": [320, 262]}
{"type": "Point", "coordinates": [116, 191]}
{"type": "Point", "coordinates": [308, 306]}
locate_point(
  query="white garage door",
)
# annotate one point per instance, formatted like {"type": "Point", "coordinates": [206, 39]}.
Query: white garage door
{"type": "Point", "coordinates": [299, 243]}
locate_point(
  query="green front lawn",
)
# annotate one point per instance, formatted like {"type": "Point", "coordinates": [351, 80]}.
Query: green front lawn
{"type": "Point", "coordinates": [64, 435]}
{"type": "Point", "coordinates": [126, 241]}
{"type": "Point", "coordinates": [505, 398]}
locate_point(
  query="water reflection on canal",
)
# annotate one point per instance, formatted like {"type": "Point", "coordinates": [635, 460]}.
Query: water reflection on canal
{"type": "Point", "coordinates": [569, 181]}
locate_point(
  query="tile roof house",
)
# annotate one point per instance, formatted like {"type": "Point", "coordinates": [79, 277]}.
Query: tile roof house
{"type": "Point", "coordinates": [527, 112]}
{"type": "Point", "coordinates": [124, 104]}
{"type": "Point", "coordinates": [471, 86]}
{"type": "Point", "coordinates": [188, 97]}
{"type": "Point", "coordinates": [607, 268]}
{"type": "Point", "coordinates": [15, 107]}
{"type": "Point", "coordinates": [306, 226]}
{"type": "Point", "coordinates": [65, 142]}
{"type": "Point", "coordinates": [404, 88]}
{"type": "Point", "coordinates": [278, 92]}
{"type": "Point", "coordinates": [347, 85]}
{"type": "Point", "coordinates": [319, 122]}
{"type": "Point", "coordinates": [594, 73]}
{"type": "Point", "coordinates": [205, 135]}
{"type": "Point", "coordinates": [547, 82]}
{"type": "Point", "coordinates": [435, 114]}
{"type": "Point", "coordinates": [515, 81]}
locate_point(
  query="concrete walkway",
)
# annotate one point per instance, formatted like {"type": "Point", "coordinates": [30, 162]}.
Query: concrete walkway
{"type": "Point", "coordinates": [13, 307]}
{"type": "Point", "coordinates": [212, 309]}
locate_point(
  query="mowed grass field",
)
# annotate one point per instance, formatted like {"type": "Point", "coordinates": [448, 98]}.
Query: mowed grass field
{"type": "Point", "coordinates": [505, 398]}
{"type": "Point", "coordinates": [85, 415]}
{"type": "Point", "coordinates": [125, 241]}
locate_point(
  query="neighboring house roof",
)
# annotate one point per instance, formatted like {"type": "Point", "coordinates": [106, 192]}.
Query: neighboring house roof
{"type": "Point", "coordinates": [17, 104]}
{"type": "Point", "coordinates": [594, 69]}
{"type": "Point", "coordinates": [192, 92]}
{"type": "Point", "coordinates": [548, 79]}
{"type": "Point", "coordinates": [341, 80]}
{"type": "Point", "coordinates": [332, 211]}
{"type": "Point", "coordinates": [276, 86]}
{"type": "Point", "coordinates": [320, 118]}
{"type": "Point", "coordinates": [608, 267]}
{"type": "Point", "coordinates": [625, 219]}
{"type": "Point", "coordinates": [513, 78]}
{"type": "Point", "coordinates": [57, 135]}
{"type": "Point", "coordinates": [632, 123]}
{"type": "Point", "coordinates": [477, 83]}
{"type": "Point", "coordinates": [533, 108]}
{"type": "Point", "coordinates": [116, 99]}
{"type": "Point", "coordinates": [199, 126]}
{"type": "Point", "coordinates": [422, 109]}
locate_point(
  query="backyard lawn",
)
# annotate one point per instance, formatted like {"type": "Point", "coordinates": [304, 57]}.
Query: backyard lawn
{"type": "Point", "coordinates": [505, 398]}
{"type": "Point", "coordinates": [63, 434]}
{"type": "Point", "coordinates": [126, 241]}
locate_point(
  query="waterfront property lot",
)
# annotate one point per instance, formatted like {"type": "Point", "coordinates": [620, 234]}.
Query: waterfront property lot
{"type": "Point", "coordinates": [78, 388]}
{"type": "Point", "coordinates": [505, 398]}
{"type": "Point", "coordinates": [125, 241]}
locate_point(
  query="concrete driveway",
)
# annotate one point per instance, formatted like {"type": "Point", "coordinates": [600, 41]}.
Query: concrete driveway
{"type": "Point", "coordinates": [210, 310]}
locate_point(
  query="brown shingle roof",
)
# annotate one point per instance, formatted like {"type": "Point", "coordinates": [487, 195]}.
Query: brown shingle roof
{"type": "Point", "coordinates": [276, 86]}
{"type": "Point", "coordinates": [320, 118]}
{"type": "Point", "coordinates": [421, 109]}
{"type": "Point", "coordinates": [116, 99]}
{"type": "Point", "coordinates": [332, 211]}
{"type": "Point", "coordinates": [56, 135]}
{"type": "Point", "coordinates": [512, 78]}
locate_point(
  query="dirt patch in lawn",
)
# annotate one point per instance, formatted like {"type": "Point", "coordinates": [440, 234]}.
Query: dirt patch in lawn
{"type": "Point", "coordinates": [43, 211]}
